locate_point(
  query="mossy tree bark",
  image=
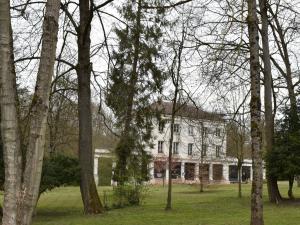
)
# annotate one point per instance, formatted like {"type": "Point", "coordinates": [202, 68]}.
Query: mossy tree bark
{"type": "Point", "coordinates": [255, 109]}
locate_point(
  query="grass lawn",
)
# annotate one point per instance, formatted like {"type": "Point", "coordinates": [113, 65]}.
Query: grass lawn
{"type": "Point", "coordinates": [218, 205]}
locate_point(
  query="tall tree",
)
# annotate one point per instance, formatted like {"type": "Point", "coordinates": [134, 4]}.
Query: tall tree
{"type": "Point", "coordinates": [280, 33]}
{"type": "Point", "coordinates": [134, 77]}
{"type": "Point", "coordinates": [21, 198]}
{"type": "Point", "coordinates": [255, 108]}
{"type": "Point", "coordinates": [89, 194]}
{"type": "Point", "coordinates": [274, 194]}
{"type": "Point", "coordinates": [175, 72]}
{"type": "Point", "coordinates": [9, 119]}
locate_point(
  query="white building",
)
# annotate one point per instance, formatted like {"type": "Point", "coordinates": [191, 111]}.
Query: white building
{"type": "Point", "coordinates": [196, 133]}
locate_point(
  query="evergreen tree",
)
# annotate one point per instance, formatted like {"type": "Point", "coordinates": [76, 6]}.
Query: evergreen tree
{"type": "Point", "coordinates": [134, 78]}
{"type": "Point", "coordinates": [283, 162]}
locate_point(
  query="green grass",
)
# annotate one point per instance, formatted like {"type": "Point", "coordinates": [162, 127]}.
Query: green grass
{"type": "Point", "coordinates": [218, 205]}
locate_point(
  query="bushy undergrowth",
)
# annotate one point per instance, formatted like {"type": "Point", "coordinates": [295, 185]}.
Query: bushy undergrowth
{"type": "Point", "coordinates": [129, 194]}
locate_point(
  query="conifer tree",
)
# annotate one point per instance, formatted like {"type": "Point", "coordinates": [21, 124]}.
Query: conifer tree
{"type": "Point", "coordinates": [135, 77]}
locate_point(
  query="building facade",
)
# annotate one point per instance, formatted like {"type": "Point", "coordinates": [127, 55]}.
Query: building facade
{"type": "Point", "coordinates": [198, 148]}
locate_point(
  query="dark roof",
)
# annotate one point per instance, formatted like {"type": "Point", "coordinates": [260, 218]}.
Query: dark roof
{"type": "Point", "coordinates": [187, 110]}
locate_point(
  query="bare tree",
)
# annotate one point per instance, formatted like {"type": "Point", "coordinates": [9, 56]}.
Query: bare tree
{"type": "Point", "coordinates": [274, 195]}
{"type": "Point", "coordinates": [84, 68]}
{"type": "Point", "coordinates": [9, 119]}
{"type": "Point", "coordinates": [282, 38]}
{"type": "Point", "coordinates": [89, 194]}
{"type": "Point", "coordinates": [21, 198]}
{"type": "Point", "coordinates": [236, 139]}
{"type": "Point", "coordinates": [255, 108]}
{"type": "Point", "coordinates": [175, 71]}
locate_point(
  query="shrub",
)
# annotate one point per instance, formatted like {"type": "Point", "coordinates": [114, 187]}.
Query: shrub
{"type": "Point", "coordinates": [129, 194]}
{"type": "Point", "coordinates": [58, 171]}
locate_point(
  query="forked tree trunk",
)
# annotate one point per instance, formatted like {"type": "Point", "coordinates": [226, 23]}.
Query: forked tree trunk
{"type": "Point", "coordinates": [19, 204]}
{"type": "Point", "coordinates": [255, 108]}
{"type": "Point", "coordinates": [273, 190]}
{"type": "Point", "coordinates": [9, 119]}
{"type": "Point", "coordinates": [39, 111]}
{"type": "Point", "coordinates": [89, 194]}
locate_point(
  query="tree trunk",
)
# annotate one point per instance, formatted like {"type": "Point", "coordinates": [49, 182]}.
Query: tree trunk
{"type": "Point", "coordinates": [89, 194]}
{"type": "Point", "coordinates": [255, 108]}
{"type": "Point", "coordinates": [240, 178]}
{"type": "Point", "coordinates": [169, 198]}
{"type": "Point", "coordinates": [1, 212]}
{"type": "Point", "coordinates": [201, 160]}
{"type": "Point", "coordinates": [201, 180]}
{"type": "Point", "coordinates": [39, 111]}
{"type": "Point", "coordinates": [290, 191]}
{"type": "Point", "coordinates": [283, 45]}
{"type": "Point", "coordinates": [273, 191]}
{"type": "Point", "coordinates": [175, 79]}
{"type": "Point", "coordinates": [9, 119]}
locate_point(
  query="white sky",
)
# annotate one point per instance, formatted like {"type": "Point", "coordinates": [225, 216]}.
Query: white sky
{"type": "Point", "coordinates": [206, 24]}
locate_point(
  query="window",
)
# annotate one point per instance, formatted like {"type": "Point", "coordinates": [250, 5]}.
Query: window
{"type": "Point", "coordinates": [175, 147]}
{"type": "Point", "coordinates": [160, 147]}
{"type": "Point", "coordinates": [218, 132]}
{"type": "Point", "coordinates": [176, 170]}
{"type": "Point", "coordinates": [204, 150]}
{"type": "Point", "coordinates": [191, 130]}
{"type": "Point", "coordinates": [204, 131]}
{"type": "Point", "coordinates": [190, 149]}
{"type": "Point", "coordinates": [159, 169]}
{"type": "Point", "coordinates": [218, 150]}
{"type": "Point", "coordinates": [161, 126]}
{"type": "Point", "coordinates": [176, 128]}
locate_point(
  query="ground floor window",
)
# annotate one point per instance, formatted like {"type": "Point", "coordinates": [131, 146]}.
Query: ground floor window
{"type": "Point", "coordinates": [233, 173]}
{"type": "Point", "coordinates": [189, 171]}
{"type": "Point", "coordinates": [159, 169]}
{"type": "Point", "coordinates": [217, 171]}
{"type": "Point", "coordinates": [176, 170]}
{"type": "Point", "coordinates": [204, 172]}
{"type": "Point", "coordinates": [246, 173]}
